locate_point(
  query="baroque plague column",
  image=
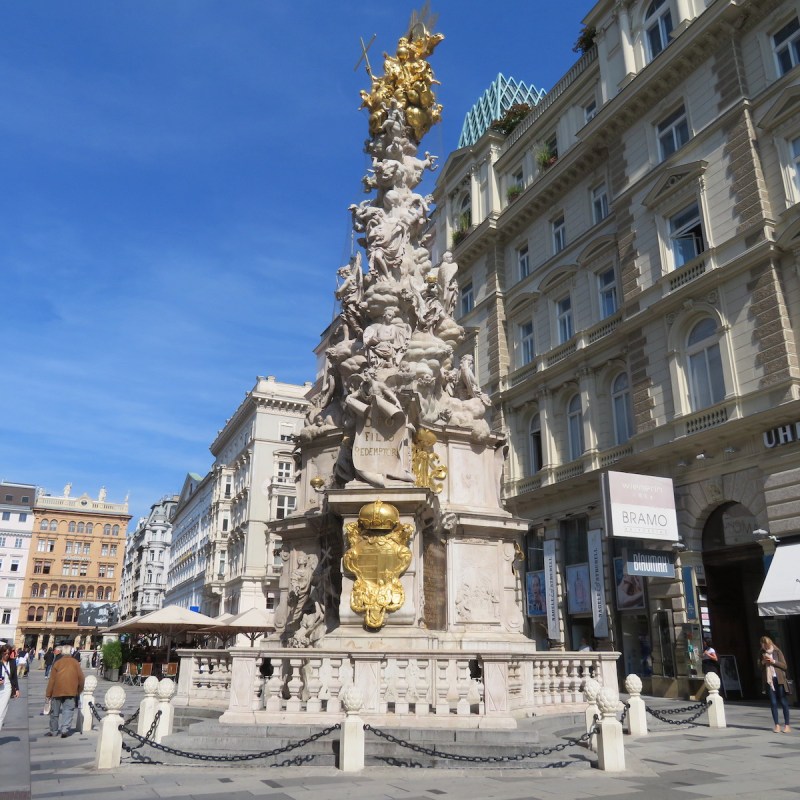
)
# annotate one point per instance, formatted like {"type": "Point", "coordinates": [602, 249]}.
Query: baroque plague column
{"type": "Point", "coordinates": [400, 539]}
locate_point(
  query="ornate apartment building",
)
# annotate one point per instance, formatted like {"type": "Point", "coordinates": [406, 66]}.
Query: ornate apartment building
{"type": "Point", "coordinates": [254, 482]}
{"type": "Point", "coordinates": [628, 269]}
{"type": "Point", "coordinates": [147, 550]}
{"type": "Point", "coordinates": [16, 524]}
{"type": "Point", "coordinates": [221, 557]}
{"type": "Point", "coordinates": [77, 549]}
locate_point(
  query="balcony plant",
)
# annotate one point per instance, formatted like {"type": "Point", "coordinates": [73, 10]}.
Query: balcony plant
{"type": "Point", "coordinates": [511, 118]}
{"type": "Point", "coordinates": [585, 41]}
{"type": "Point", "coordinates": [545, 157]}
{"type": "Point", "coordinates": [461, 228]}
{"type": "Point", "coordinates": [513, 192]}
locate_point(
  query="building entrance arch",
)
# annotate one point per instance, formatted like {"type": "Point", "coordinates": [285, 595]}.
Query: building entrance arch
{"type": "Point", "coordinates": [732, 575]}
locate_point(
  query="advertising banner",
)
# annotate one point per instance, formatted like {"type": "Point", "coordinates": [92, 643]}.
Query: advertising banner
{"type": "Point", "coordinates": [639, 506]}
{"type": "Point", "coordinates": [97, 615]}
{"type": "Point", "coordinates": [534, 591]}
{"type": "Point", "coordinates": [597, 584]}
{"type": "Point", "coordinates": [551, 589]}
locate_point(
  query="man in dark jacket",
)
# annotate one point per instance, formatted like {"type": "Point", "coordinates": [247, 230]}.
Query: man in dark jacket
{"type": "Point", "coordinates": [65, 684]}
{"type": "Point", "coordinates": [49, 657]}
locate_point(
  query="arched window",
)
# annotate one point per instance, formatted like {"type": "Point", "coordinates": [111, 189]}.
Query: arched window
{"type": "Point", "coordinates": [44, 525]}
{"type": "Point", "coordinates": [68, 615]}
{"type": "Point", "coordinates": [31, 613]}
{"type": "Point", "coordinates": [108, 593]}
{"type": "Point", "coordinates": [53, 525]}
{"type": "Point", "coordinates": [53, 590]}
{"type": "Point", "coordinates": [71, 593]}
{"type": "Point", "coordinates": [81, 592]}
{"type": "Point", "coordinates": [621, 404]}
{"type": "Point", "coordinates": [90, 593]}
{"type": "Point", "coordinates": [89, 527]}
{"type": "Point", "coordinates": [99, 592]}
{"type": "Point", "coordinates": [115, 530]}
{"type": "Point", "coordinates": [44, 590]}
{"type": "Point", "coordinates": [39, 613]}
{"type": "Point", "coordinates": [535, 443]}
{"type": "Point", "coordinates": [35, 590]}
{"type": "Point", "coordinates": [62, 590]}
{"type": "Point", "coordinates": [106, 529]}
{"type": "Point", "coordinates": [575, 427]}
{"type": "Point", "coordinates": [704, 362]}
{"type": "Point", "coordinates": [658, 27]}
{"type": "Point", "coordinates": [72, 527]}
{"type": "Point", "coordinates": [60, 615]}
{"type": "Point", "coordinates": [81, 527]}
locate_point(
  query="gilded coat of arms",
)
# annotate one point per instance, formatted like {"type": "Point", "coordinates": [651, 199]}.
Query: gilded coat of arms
{"type": "Point", "coordinates": [378, 555]}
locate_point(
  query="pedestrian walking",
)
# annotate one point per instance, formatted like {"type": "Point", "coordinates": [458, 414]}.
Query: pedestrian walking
{"type": "Point", "coordinates": [49, 657]}
{"type": "Point", "coordinates": [773, 671]}
{"type": "Point", "coordinates": [9, 685]}
{"type": "Point", "coordinates": [710, 662]}
{"type": "Point", "coordinates": [65, 684]}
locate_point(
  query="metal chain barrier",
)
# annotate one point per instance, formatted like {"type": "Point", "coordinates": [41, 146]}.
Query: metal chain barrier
{"type": "Point", "coordinates": [94, 706]}
{"type": "Point", "coordinates": [217, 758]}
{"type": "Point", "coordinates": [625, 707]}
{"type": "Point", "coordinates": [665, 713]}
{"type": "Point", "coordinates": [545, 751]}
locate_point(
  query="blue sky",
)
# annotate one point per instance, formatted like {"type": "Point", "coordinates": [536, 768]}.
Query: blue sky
{"type": "Point", "coordinates": [174, 184]}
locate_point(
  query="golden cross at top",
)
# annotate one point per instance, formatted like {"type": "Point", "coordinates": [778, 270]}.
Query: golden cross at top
{"type": "Point", "coordinates": [364, 56]}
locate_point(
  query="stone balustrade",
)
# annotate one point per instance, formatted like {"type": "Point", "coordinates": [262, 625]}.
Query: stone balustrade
{"type": "Point", "coordinates": [445, 687]}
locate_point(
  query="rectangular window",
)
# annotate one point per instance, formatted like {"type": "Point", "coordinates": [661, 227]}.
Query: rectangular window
{"type": "Point", "coordinates": [68, 548]}
{"type": "Point", "coordinates": [607, 285]}
{"type": "Point", "coordinates": [41, 546]}
{"type": "Point", "coordinates": [673, 133]}
{"type": "Point", "coordinates": [11, 589]}
{"type": "Point", "coordinates": [228, 489]}
{"type": "Point", "coordinates": [523, 261]}
{"type": "Point", "coordinates": [590, 110]}
{"type": "Point", "coordinates": [113, 550]}
{"type": "Point", "coordinates": [14, 565]}
{"type": "Point", "coordinates": [573, 535]}
{"type": "Point", "coordinates": [74, 570]}
{"type": "Point", "coordinates": [285, 506]}
{"type": "Point", "coordinates": [6, 515]}
{"type": "Point", "coordinates": [25, 498]}
{"type": "Point", "coordinates": [51, 545]}
{"type": "Point", "coordinates": [786, 43]}
{"type": "Point", "coordinates": [564, 319]}
{"type": "Point", "coordinates": [526, 349]}
{"type": "Point", "coordinates": [659, 27]}
{"type": "Point", "coordinates": [794, 147]}
{"type": "Point", "coordinates": [23, 517]}
{"type": "Point", "coordinates": [2, 541]}
{"type": "Point", "coordinates": [225, 524]}
{"type": "Point", "coordinates": [87, 547]}
{"type": "Point", "coordinates": [467, 299]}
{"type": "Point", "coordinates": [110, 571]}
{"type": "Point", "coordinates": [83, 570]}
{"type": "Point", "coordinates": [104, 550]}
{"type": "Point", "coordinates": [559, 234]}
{"type": "Point", "coordinates": [284, 471]}
{"type": "Point", "coordinates": [6, 619]}
{"type": "Point", "coordinates": [270, 602]}
{"type": "Point", "coordinates": [686, 235]}
{"type": "Point", "coordinates": [101, 571]}
{"type": "Point", "coordinates": [599, 203]}
{"type": "Point", "coordinates": [9, 498]}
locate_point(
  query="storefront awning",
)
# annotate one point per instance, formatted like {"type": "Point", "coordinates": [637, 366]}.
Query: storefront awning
{"type": "Point", "coordinates": [780, 594]}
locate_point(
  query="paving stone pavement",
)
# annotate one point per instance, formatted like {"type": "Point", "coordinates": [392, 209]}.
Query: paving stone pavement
{"type": "Point", "coordinates": [746, 760]}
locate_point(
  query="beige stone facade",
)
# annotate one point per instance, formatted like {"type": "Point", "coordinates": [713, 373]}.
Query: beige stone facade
{"type": "Point", "coordinates": [76, 555]}
{"type": "Point", "coordinates": [636, 309]}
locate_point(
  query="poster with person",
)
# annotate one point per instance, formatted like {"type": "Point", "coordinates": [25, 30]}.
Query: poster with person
{"type": "Point", "coordinates": [630, 588]}
{"type": "Point", "coordinates": [578, 597]}
{"type": "Point", "coordinates": [534, 590]}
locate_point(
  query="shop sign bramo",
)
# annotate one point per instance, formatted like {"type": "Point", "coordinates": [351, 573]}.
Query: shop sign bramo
{"type": "Point", "coordinates": [639, 506]}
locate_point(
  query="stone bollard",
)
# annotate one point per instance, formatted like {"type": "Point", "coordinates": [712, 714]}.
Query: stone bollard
{"type": "Point", "coordinates": [166, 688]}
{"type": "Point", "coordinates": [637, 713]}
{"type": "Point", "coordinates": [610, 751]}
{"type": "Point", "coordinates": [148, 706]}
{"type": "Point", "coordinates": [351, 738]}
{"type": "Point", "coordinates": [109, 744]}
{"type": "Point", "coordinates": [590, 689]}
{"type": "Point", "coordinates": [87, 697]}
{"type": "Point", "coordinates": [716, 711]}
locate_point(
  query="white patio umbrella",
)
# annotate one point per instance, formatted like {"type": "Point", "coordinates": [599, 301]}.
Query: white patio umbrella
{"type": "Point", "coordinates": [252, 623]}
{"type": "Point", "coordinates": [169, 621]}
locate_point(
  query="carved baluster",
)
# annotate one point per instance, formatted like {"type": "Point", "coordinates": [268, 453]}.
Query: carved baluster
{"type": "Point", "coordinates": [295, 685]}
{"type": "Point", "coordinates": [334, 687]}
{"type": "Point", "coordinates": [422, 704]}
{"type": "Point", "coordinates": [401, 688]}
{"type": "Point", "coordinates": [313, 686]}
{"type": "Point", "coordinates": [442, 688]}
{"type": "Point", "coordinates": [563, 679]}
{"type": "Point", "coordinates": [275, 688]}
{"type": "Point", "coordinates": [462, 683]}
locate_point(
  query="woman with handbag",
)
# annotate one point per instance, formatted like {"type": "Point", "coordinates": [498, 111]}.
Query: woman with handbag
{"type": "Point", "coordinates": [9, 686]}
{"type": "Point", "coordinates": [773, 671]}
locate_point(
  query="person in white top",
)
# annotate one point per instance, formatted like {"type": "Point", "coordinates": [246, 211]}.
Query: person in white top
{"type": "Point", "coordinates": [9, 687]}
